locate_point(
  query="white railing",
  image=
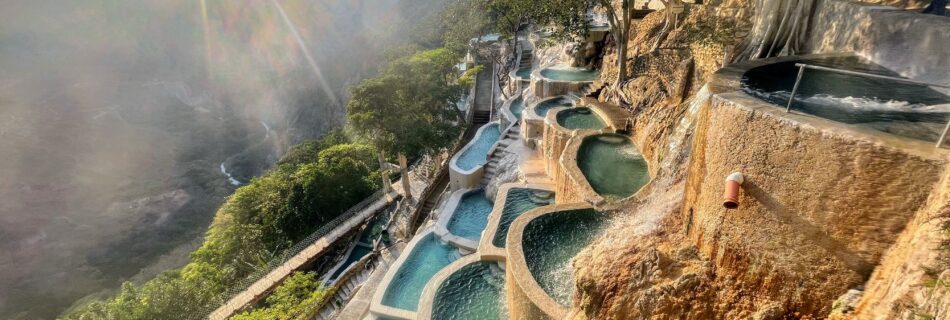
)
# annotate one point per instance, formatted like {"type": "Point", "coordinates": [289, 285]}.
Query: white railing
{"type": "Point", "coordinates": [803, 66]}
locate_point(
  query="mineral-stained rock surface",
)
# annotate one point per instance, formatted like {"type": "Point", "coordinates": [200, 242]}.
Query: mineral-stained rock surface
{"type": "Point", "coordinates": [825, 212]}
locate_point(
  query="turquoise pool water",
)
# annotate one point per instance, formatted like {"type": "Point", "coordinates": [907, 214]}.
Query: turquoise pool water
{"type": "Point", "coordinates": [474, 292]}
{"type": "Point", "coordinates": [580, 118]}
{"type": "Point", "coordinates": [544, 106]}
{"type": "Point", "coordinates": [613, 165]}
{"type": "Point", "coordinates": [524, 73]}
{"type": "Point", "coordinates": [519, 201]}
{"type": "Point", "coordinates": [470, 216]}
{"type": "Point", "coordinates": [426, 259]}
{"type": "Point", "coordinates": [477, 152]}
{"type": "Point", "coordinates": [517, 107]}
{"type": "Point", "coordinates": [550, 243]}
{"type": "Point", "coordinates": [570, 74]}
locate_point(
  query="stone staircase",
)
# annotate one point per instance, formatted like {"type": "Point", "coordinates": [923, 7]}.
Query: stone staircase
{"type": "Point", "coordinates": [491, 167]}
{"type": "Point", "coordinates": [346, 291]}
{"type": "Point", "coordinates": [480, 118]}
{"type": "Point", "coordinates": [483, 97]}
{"type": "Point", "coordinates": [439, 187]}
{"type": "Point", "coordinates": [527, 56]}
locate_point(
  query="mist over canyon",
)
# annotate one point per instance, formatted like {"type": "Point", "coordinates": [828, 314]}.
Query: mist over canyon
{"type": "Point", "coordinates": [118, 119]}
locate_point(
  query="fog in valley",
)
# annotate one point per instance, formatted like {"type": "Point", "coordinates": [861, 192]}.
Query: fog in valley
{"type": "Point", "coordinates": [119, 119]}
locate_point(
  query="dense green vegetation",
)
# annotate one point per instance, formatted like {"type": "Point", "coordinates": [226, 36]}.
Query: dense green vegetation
{"type": "Point", "coordinates": [410, 107]}
{"type": "Point", "coordinates": [313, 184]}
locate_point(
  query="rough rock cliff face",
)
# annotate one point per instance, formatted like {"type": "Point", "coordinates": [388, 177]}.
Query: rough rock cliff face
{"type": "Point", "coordinates": [913, 279]}
{"type": "Point", "coordinates": [824, 214]}
{"type": "Point", "coordinates": [644, 266]}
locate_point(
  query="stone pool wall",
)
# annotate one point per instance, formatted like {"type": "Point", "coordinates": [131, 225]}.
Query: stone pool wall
{"type": "Point", "coordinates": [532, 125]}
{"type": "Point", "coordinates": [854, 193]}
{"type": "Point", "coordinates": [526, 298]}
{"type": "Point", "coordinates": [545, 88]}
{"type": "Point", "coordinates": [465, 179]}
{"type": "Point", "coordinates": [486, 249]}
{"type": "Point", "coordinates": [570, 183]}
{"type": "Point", "coordinates": [553, 142]}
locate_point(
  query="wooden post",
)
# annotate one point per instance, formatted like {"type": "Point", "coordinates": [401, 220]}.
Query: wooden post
{"type": "Point", "coordinates": [384, 171]}
{"type": "Point", "coordinates": [403, 163]}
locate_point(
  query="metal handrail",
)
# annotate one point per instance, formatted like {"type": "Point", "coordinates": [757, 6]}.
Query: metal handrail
{"type": "Point", "coordinates": [803, 66]}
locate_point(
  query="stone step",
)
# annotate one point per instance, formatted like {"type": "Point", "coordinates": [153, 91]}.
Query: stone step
{"type": "Point", "coordinates": [325, 314]}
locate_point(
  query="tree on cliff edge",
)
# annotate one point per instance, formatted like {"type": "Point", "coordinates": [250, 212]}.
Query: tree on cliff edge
{"type": "Point", "coordinates": [410, 107]}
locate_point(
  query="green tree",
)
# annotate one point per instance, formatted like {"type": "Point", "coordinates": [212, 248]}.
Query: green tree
{"type": "Point", "coordinates": [464, 20]}
{"type": "Point", "coordinates": [308, 151]}
{"type": "Point", "coordinates": [344, 174]}
{"type": "Point", "coordinates": [410, 108]}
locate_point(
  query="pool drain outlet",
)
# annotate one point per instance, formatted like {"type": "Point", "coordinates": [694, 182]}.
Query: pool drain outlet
{"type": "Point", "coordinates": [731, 196]}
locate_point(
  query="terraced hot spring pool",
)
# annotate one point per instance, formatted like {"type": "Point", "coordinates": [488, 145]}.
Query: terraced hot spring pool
{"type": "Point", "coordinates": [550, 243]}
{"type": "Point", "coordinates": [477, 152]}
{"type": "Point", "coordinates": [908, 110]}
{"type": "Point", "coordinates": [474, 292]}
{"type": "Point", "coordinates": [570, 74]}
{"type": "Point", "coordinates": [426, 259]}
{"type": "Point", "coordinates": [470, 216]}
{"type": "Point", "coordinates": [580, 118]}
{"type": "Point", "coordinates": [519, 201]}
{"type": "Point", "coordinates": [612, 165]}
{"type": "Point", "coordinates": [517, 107]}
{"type": "Point", "coordinates": [544, 106]}
{"type": "Point", "coordinates": [524, 73]}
